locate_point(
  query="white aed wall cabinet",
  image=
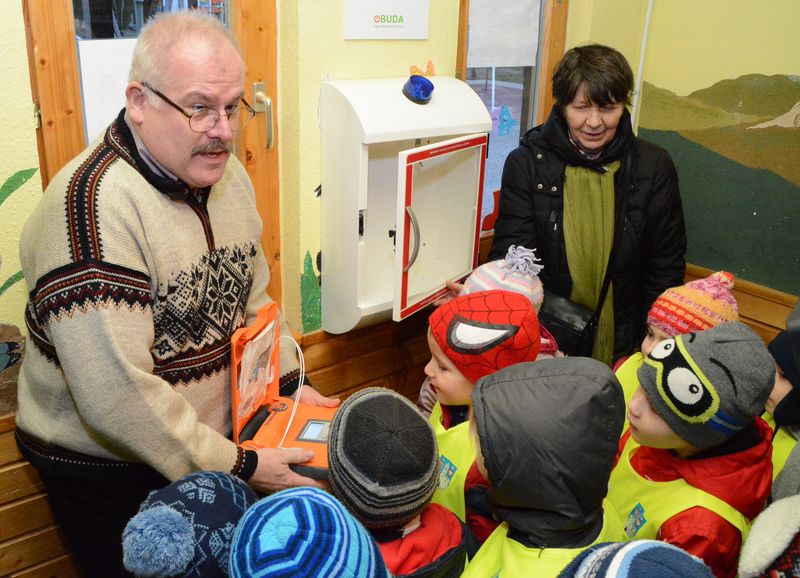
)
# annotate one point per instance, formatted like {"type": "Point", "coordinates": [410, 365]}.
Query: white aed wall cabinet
{"type": "Point", "coordinates": [401, 193]}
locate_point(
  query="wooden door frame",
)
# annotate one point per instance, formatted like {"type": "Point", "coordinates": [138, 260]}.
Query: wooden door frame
{"type": "Point", "coordinates": [259, 44]}
{"type": "Point", "coordinates": [53, 68]}
{"type": "Point", "coordinates": [60, 135]}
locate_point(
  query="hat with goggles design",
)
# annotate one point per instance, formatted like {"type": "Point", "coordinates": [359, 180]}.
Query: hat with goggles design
{"type": "Point", "coordinates": [709, 385]}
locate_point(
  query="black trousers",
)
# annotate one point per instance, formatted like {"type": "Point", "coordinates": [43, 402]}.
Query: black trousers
{"type": "Point", "coordinates": [92, 500]}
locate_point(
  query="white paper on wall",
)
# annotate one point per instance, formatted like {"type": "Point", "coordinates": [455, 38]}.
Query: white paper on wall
{"type": "Point", "coordinates": [386, 19]}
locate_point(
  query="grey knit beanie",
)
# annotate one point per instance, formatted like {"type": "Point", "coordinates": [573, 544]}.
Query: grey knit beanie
{"type": "Point", "coordinates": [382, 457]}
{"type": "Point", "coordinates": [709, 385]}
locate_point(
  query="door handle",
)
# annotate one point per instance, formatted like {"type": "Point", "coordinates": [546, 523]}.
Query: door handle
{"type": "Point", "coordinates": [417, 241]}
{"type": "Point", "coordinates": [263, 103]}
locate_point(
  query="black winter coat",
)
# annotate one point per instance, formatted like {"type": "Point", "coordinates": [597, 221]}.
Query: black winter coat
{"type": "Point", "coordinates": [651, 254]}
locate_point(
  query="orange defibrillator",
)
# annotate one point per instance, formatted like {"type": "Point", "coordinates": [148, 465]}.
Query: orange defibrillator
{"type": "Point", "coordinates": [261, 417]}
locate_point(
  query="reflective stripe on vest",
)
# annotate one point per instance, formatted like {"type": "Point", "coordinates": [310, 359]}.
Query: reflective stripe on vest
{"type": "Point", "coordinates": [644, 505]}
{"type": "Point", "coordinates": [501, 556]}
{"type": "Point", "coordinates": [628, 378]}
{"type": "Point", "coordinates": [456, 456]}
{"type": "Point", "coordinates": [782, 445]}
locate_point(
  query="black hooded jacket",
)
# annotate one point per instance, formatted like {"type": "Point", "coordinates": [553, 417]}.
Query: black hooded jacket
{"type": "Point", "coordinates": [548, 434]}
{"type": "Point", "coordinates": [653, 245]}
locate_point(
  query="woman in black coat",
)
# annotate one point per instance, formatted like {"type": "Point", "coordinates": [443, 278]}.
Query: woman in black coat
{"type": "Point", "coordinates": [562, 195]}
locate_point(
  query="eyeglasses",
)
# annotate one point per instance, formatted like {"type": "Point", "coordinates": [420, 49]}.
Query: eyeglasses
{"type": "Point", "coordinates": [203, 119]}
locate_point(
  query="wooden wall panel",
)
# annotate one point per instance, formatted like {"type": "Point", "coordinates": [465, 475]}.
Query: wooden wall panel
{"type": "Point", "coordinates": [30, 549]}
{"type": "Point", "coordinates": [388, 354]}
{"type": "Point", "coordinates": [8, 448]}
{"type": "Point", "coordinates": [58, 567]}
{"type": "Point", "coordinates": [765, 310]}
{"type": "Point", "coordinates": [24, 515]}
{"type": "Point", "coordinates": [18, 480]}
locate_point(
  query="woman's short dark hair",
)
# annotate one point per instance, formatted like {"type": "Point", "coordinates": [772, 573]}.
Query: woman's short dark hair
{"type": "Point", "coordinates": [604, 72]}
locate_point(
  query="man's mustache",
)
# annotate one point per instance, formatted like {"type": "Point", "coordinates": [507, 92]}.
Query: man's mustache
{"type": "Point", "coordinates": [212, 147]}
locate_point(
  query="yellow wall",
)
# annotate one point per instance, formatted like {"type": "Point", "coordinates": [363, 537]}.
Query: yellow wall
{"type": "Point", "coordinates": [312, 49]}
{"type": "Point", "coordinates": [18, 152]}
{"type": "Point", "coordinates": [745, 37]}
{"type": "Point", "coordinates": [617, 23]}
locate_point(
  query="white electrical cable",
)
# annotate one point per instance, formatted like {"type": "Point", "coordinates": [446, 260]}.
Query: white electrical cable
{"type": "Point", "coordinates": [301, 378]}
{"type": "Point", "coordinates": [637, 90]}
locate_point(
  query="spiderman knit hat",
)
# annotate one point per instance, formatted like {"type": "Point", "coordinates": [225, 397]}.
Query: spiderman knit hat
{"type": "Point", "coordinates": [695, 306]}
{"type": "Point", "coordinates": [710, 385]}
{"type": "Point", "coordinates": [486, 331]}
{"type": "Point", "coordinates": [518, 272]}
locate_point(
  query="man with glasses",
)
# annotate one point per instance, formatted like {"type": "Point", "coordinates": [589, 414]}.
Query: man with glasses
{"type": "Point", "coordinates": [142, 259]}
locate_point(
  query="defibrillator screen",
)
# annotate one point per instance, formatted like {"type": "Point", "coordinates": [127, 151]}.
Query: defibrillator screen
{"type": "Point", "coordinates": [315, 431]}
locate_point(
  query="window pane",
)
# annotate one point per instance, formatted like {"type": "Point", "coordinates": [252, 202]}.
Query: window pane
{"type": "Point", "coordinates": [95, 19]}
{"type": "Point", "coordinates": [501, 60]}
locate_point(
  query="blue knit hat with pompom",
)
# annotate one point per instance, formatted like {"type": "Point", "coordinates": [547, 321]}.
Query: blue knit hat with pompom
{"type": "Point", "coordinates": [185, 528]}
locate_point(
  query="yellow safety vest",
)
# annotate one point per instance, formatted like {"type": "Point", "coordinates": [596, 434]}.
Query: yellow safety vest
{"type": "Point", "coordinates": [782, 445]}
{"type": "Point", "coordinates": [456, 456]}
{"type": "Point", "coordinates": [627, 376]}
{"type": "Point", "coordinates": [501, 556]}
{"type": "Point", "coordinates": [644, 505]}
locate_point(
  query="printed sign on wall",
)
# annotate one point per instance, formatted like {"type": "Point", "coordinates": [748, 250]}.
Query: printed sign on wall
{"type": "Point", "coordinates": [386, 19]}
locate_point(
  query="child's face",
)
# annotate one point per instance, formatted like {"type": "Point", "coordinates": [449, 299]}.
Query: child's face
{"type": "Point", "coordinates": [648, 428]}
{"type": "Point", "coordinates": [448, 383]}
{"type": "Point", "coordinates": [653, 337]}
{"type": "Point", "coordinates": [781, 388]}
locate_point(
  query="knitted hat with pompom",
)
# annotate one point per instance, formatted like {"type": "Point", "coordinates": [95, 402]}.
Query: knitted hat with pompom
{"type": "Point", "coordinates": [185, 528]}
{"type": "Point", "coordinates": [695, 306]}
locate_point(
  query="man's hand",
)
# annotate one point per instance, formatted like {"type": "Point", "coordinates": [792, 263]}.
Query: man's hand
{"type": "Point", "coordinates": [273, 472]}
{"type": "Point", "coordinates": [310, 396]}
{"type": "Point", "coordinates": [455, 291]}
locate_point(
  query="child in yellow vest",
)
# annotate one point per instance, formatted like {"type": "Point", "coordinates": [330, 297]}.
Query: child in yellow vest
{"type": "Point", "coordinates": [695, 306]}
{"type": "Point", "coordinates": [518, 272]}
{"type": "Point", "coordinates": [547, 434]}
{"type": "Point", "coordinates": [695, 466]}
{"type": "Point", "coordinates": [783, 414]}
{"type": "Point", "coordinates": [469, 337]}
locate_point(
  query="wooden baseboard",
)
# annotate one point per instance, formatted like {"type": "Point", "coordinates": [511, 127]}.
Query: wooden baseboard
{"type": "Point", "coordinates": [30, 544]}
{"type": "Point", "coordinates": [765, 310]}
{"type": "Point", "coordinates": [388, 354]}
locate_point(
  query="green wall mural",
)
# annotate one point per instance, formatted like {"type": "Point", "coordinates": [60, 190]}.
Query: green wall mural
{"type": "Point", "coordinates": [311, 296]}
{"type": "Point", "coordinates": [11, 184]}
{"type": "Point", "coordinates": [735, 145]}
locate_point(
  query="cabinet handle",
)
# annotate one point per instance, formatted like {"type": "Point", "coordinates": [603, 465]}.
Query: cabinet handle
{"type": "Point", "coordinates": [415, 226]}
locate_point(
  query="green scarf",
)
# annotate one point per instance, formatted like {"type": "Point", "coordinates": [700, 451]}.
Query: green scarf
{"type": "Point", "coordinates": [589, 234]}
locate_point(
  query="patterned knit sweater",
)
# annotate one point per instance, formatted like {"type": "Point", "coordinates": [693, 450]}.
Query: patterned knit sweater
{"type": "Point", "coordinates": [136, 284]}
